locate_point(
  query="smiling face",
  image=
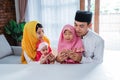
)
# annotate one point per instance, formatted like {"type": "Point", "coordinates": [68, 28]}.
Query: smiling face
{"type": "Point", "coordinates": [68, 36]}
{"type": "Point", "coordinates": [40, 33]}
{"type": "Point", "coordinates": [81, 28]}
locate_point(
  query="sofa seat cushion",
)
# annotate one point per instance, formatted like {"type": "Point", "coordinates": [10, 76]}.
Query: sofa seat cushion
{"type": "Point", "coordinates": [11, 59]}
{"type": "Point", "coordinates": [5, 48]}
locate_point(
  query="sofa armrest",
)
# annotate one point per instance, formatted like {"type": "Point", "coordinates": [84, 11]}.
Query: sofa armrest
{"type": "Point", "coordinates": [17, 50]}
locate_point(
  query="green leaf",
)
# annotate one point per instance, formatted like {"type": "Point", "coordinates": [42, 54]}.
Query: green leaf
{"type": "Point", "coordinates": [15, 30]}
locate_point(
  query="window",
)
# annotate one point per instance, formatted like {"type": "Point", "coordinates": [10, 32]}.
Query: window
{"type": "Point", "coordinates": [53, 14]}
{"type": "Point", "coordinates": [110, 23]}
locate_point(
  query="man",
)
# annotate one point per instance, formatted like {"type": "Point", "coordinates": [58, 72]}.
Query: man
{"type": "Point", "coordinates": [93, 43]}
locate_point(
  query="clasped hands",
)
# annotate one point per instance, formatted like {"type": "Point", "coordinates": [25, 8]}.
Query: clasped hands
{"type": "Point", "coordinates": [50, 57]}
{"type": "Point", "coordinates": [65, 54]}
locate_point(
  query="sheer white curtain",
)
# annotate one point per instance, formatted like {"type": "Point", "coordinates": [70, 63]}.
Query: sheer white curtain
{"type": "Point", "coordinates": [53, 14]}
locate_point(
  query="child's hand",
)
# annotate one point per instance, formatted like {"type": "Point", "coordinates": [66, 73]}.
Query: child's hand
{"type": "Point", "coordinates": [62, 57]}
{"type": "Point", "coordinates": [51, 57]}
{"type": "Point", "coordinates": [75, 56]}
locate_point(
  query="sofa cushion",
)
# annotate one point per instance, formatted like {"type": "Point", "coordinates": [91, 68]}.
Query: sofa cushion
{"type": "Point", "coordinates": [5, 48]}
{"type": "Point", "coordinates": [11, 59]}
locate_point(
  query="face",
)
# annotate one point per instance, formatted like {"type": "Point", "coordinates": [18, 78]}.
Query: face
{"type": "Point", "coordinates": [40, 33]}
{"type": "Point", "coordinates": [44, 50]}
{"type": "Point", "coordinates": [68, 35]}
{"type": "Point", "coordinates": [81, 28]}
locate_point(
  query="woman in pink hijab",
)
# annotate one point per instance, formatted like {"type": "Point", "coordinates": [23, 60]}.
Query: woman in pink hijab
{"type": "Point", "coordinates": [70, 47]}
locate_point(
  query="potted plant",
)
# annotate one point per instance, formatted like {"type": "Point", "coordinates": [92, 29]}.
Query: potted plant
{"type": "Point", "coordinates": [15, 30]}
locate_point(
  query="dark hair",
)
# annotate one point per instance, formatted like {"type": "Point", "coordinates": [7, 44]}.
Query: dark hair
{"type": "Point", "coordinates": [88, 23]}
{"type": "Point", "coordinates": [38, 26]}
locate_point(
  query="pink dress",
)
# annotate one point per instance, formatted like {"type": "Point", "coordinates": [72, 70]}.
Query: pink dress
{"type": "Point", "coordinates": [75, 43]}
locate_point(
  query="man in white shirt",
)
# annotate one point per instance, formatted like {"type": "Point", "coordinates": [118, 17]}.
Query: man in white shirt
{"type": "Point", "coordinates": [93, 43]}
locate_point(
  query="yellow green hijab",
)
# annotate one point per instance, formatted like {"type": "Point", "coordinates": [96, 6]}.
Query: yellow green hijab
{"type": "Point", "coordinates": [30, 40]}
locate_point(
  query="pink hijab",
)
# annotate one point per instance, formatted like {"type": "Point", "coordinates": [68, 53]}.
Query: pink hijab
{"type": "Point", "coordinates": [73, 44]}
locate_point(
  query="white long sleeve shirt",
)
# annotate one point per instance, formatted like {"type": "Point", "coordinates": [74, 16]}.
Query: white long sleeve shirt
{"type": "Point", "coordinates": [30, 61]}
{"type": "Point", "coordinates": [94, 48]}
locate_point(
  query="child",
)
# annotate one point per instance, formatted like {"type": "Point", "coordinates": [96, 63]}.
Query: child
{"type": "Point", "coordinates": [44, 54]}
{"type": "Point", "coordinates": [69, 46]}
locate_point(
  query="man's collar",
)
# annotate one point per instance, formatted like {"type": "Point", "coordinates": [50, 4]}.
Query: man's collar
{"type": "Point", "coordinates": [86, 34]}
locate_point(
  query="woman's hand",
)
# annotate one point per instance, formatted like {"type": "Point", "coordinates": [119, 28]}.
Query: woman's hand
{"type": "Point", "coordinates": [43, 59]}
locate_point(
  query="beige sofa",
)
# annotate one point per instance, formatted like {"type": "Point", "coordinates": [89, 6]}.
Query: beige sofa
{"type": "Point", "coordinates": [9, 54]}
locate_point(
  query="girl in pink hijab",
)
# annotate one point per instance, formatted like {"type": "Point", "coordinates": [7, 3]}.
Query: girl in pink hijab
{"type": "Point", "coordinates": [69, 46]}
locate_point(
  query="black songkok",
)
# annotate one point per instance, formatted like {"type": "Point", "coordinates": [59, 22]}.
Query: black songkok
{"type": "Point", "coordinates": [83, 16]}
